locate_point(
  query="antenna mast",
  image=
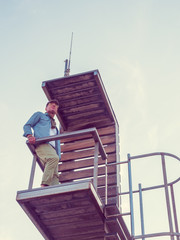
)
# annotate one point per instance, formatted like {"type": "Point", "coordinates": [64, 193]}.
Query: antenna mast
{"type": "Point", "coordinates": [68, 62]}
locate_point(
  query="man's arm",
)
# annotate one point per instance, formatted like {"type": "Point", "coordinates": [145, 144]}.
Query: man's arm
{"type": "Point", "coordinates": [29, 125]}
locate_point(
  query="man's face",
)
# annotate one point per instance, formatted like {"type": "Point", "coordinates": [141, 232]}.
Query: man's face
{"type": "Point", "coordinates": [52, 108]}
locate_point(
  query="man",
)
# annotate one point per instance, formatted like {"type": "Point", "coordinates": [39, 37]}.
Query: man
{"type": "Point", "coordinates": [43, 125]}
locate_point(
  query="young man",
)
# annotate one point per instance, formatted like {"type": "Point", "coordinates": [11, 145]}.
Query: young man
{"type": "Point", "coordinates": [43, 125]}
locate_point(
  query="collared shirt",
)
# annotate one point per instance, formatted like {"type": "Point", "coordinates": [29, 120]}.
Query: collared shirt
{"type": "Point", "coordinates": [41, 125]}
{"type": "Point", "coordinates": [53, 131]}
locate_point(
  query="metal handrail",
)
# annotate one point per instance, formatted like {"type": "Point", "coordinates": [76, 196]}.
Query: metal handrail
{"type": "Point", "coordinates": [152, 188]}
{"type": "Point", "coordinates": [98, 148]}
{"type": "Point", "coordinates": [161, 234]}
{"type": "Point", "coordinates": [172, 234]}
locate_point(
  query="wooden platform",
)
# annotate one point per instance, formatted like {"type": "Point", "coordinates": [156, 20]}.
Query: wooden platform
{"type": "Point", "coordinates": [83, 101]}
{"type": "Point", "coordinates": [65, 212]}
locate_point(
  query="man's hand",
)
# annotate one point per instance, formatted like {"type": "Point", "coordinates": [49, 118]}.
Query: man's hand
{"type": "Point", "coordinates": [31, 139]}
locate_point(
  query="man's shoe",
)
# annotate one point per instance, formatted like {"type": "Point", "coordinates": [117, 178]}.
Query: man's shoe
{"type": "Point", "coordinates": [44, 185]}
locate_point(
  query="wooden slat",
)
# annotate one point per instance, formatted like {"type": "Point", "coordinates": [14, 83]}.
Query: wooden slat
{"type": "Point", "coordinates": [78, 116]}
{"type": "Point", "coordinates": [90, 236]}
{"type": "Point", "coordinates": [88, 143]}
{"type": "Point", "coordinates": [69, 89]}
{"type": "Point", "coordinates": [81, 101]}
{"type": "Point", "coordinates": [97, 124]}
{"type": "Point", "coordinates": [83, 117]}
{"type": "Point", "coordinates": [86, 153]}
{"type": "Point", "coordinates": [106, 130]}
{"type": "Point", "coordinates": [75, 218]}
{"type": "Point", "coordinates": [72, 175]}
{"type": "Point", "coordinates": [67, 211]}
{"type": "Point", "coordinates": [114, 226]}
{"type": "Point", "coordinates": [76, 95]}
{"type": "Point", "coordinates": [76, 138]}
{"type": "Point", "coordinates": [112, 236]}
{"type": "Point", "coordinates": [72, 102]}
{"type": "Point", "coordinates": [112, 191]}
{"type": "Point", "coordinates": [65, 81]}
{"type": "Point", "coordinates": [78, 145]}
{"type": "Point", "coordinates": [112, 180]}
{"type": "Point", "coordinates": [82, 107]}
{"type": "Point", "coordinates": [111, 200]}
{"type": "Point", "coordinates": [75, 229]}
{"type": "Point", "coordinates": [71, 198]}
{"type": "Point", "coordinates": [56, 207]}
{"type": "Point", "coordinates": [79, 109]}
{"type": "Point", "coordinates": [94, 121]}
{"type": "Point", "coordinates": [110, 210]}
{"type": "Point", "coordinates": [88, 162]}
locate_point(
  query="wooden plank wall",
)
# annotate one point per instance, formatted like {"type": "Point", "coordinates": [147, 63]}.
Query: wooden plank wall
{"type": "Point", "coordinates": [77, 161]}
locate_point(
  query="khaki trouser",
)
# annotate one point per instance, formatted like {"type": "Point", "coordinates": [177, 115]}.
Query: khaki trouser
{"type": "Point", "coordinates": [49, 158]}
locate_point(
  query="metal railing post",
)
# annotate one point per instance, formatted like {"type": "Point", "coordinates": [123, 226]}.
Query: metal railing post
{"type": "Point", "coordinates": [167, 196]}
{"type": "Point", "coordinates": [141, 211]}
{"type": "Point", "coordinates": [174, 211]}
{"type": "Point", "coordinates": [96, 164]}
{"type": "Point", "coordinates": [32, 172]}
{"type": "Point", "coordinates": [131, 195]}
{"type": "Point", "coordinates": [106, 184]}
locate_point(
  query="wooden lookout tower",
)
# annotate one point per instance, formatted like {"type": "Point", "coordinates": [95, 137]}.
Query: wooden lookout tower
{"type": "Point", "coordinates": [85, 205]}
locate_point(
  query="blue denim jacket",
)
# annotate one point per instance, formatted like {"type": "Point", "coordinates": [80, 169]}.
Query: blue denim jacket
{"type": "Point", "coordinates": [41, 124]}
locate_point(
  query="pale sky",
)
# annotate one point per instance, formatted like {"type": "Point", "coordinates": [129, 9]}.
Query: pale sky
{"type": "Point", "coordinates": [135, 44]}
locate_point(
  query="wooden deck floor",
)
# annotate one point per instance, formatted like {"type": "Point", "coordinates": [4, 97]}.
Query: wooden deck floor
{"type": "Point", "coordinates": [67, 211]}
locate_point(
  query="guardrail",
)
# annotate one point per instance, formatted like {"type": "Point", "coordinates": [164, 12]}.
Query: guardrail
{"type": "Point", "coordinates": [98, 149]}
{"type": "Point", "coordinates": [171, 212]}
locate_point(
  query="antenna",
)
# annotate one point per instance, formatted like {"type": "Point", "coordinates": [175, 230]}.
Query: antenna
{"type": "Point", "coordinates": [68, 62]}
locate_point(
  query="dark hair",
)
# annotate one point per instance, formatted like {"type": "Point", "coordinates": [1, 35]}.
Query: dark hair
{"type": "Point", "coordinates": [53, 101]}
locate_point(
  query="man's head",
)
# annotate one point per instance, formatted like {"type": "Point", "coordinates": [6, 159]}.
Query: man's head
{"type": "Point", "coordinates": [53, 101]}
{"type": "Point", "coordinates": [52, 107]}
